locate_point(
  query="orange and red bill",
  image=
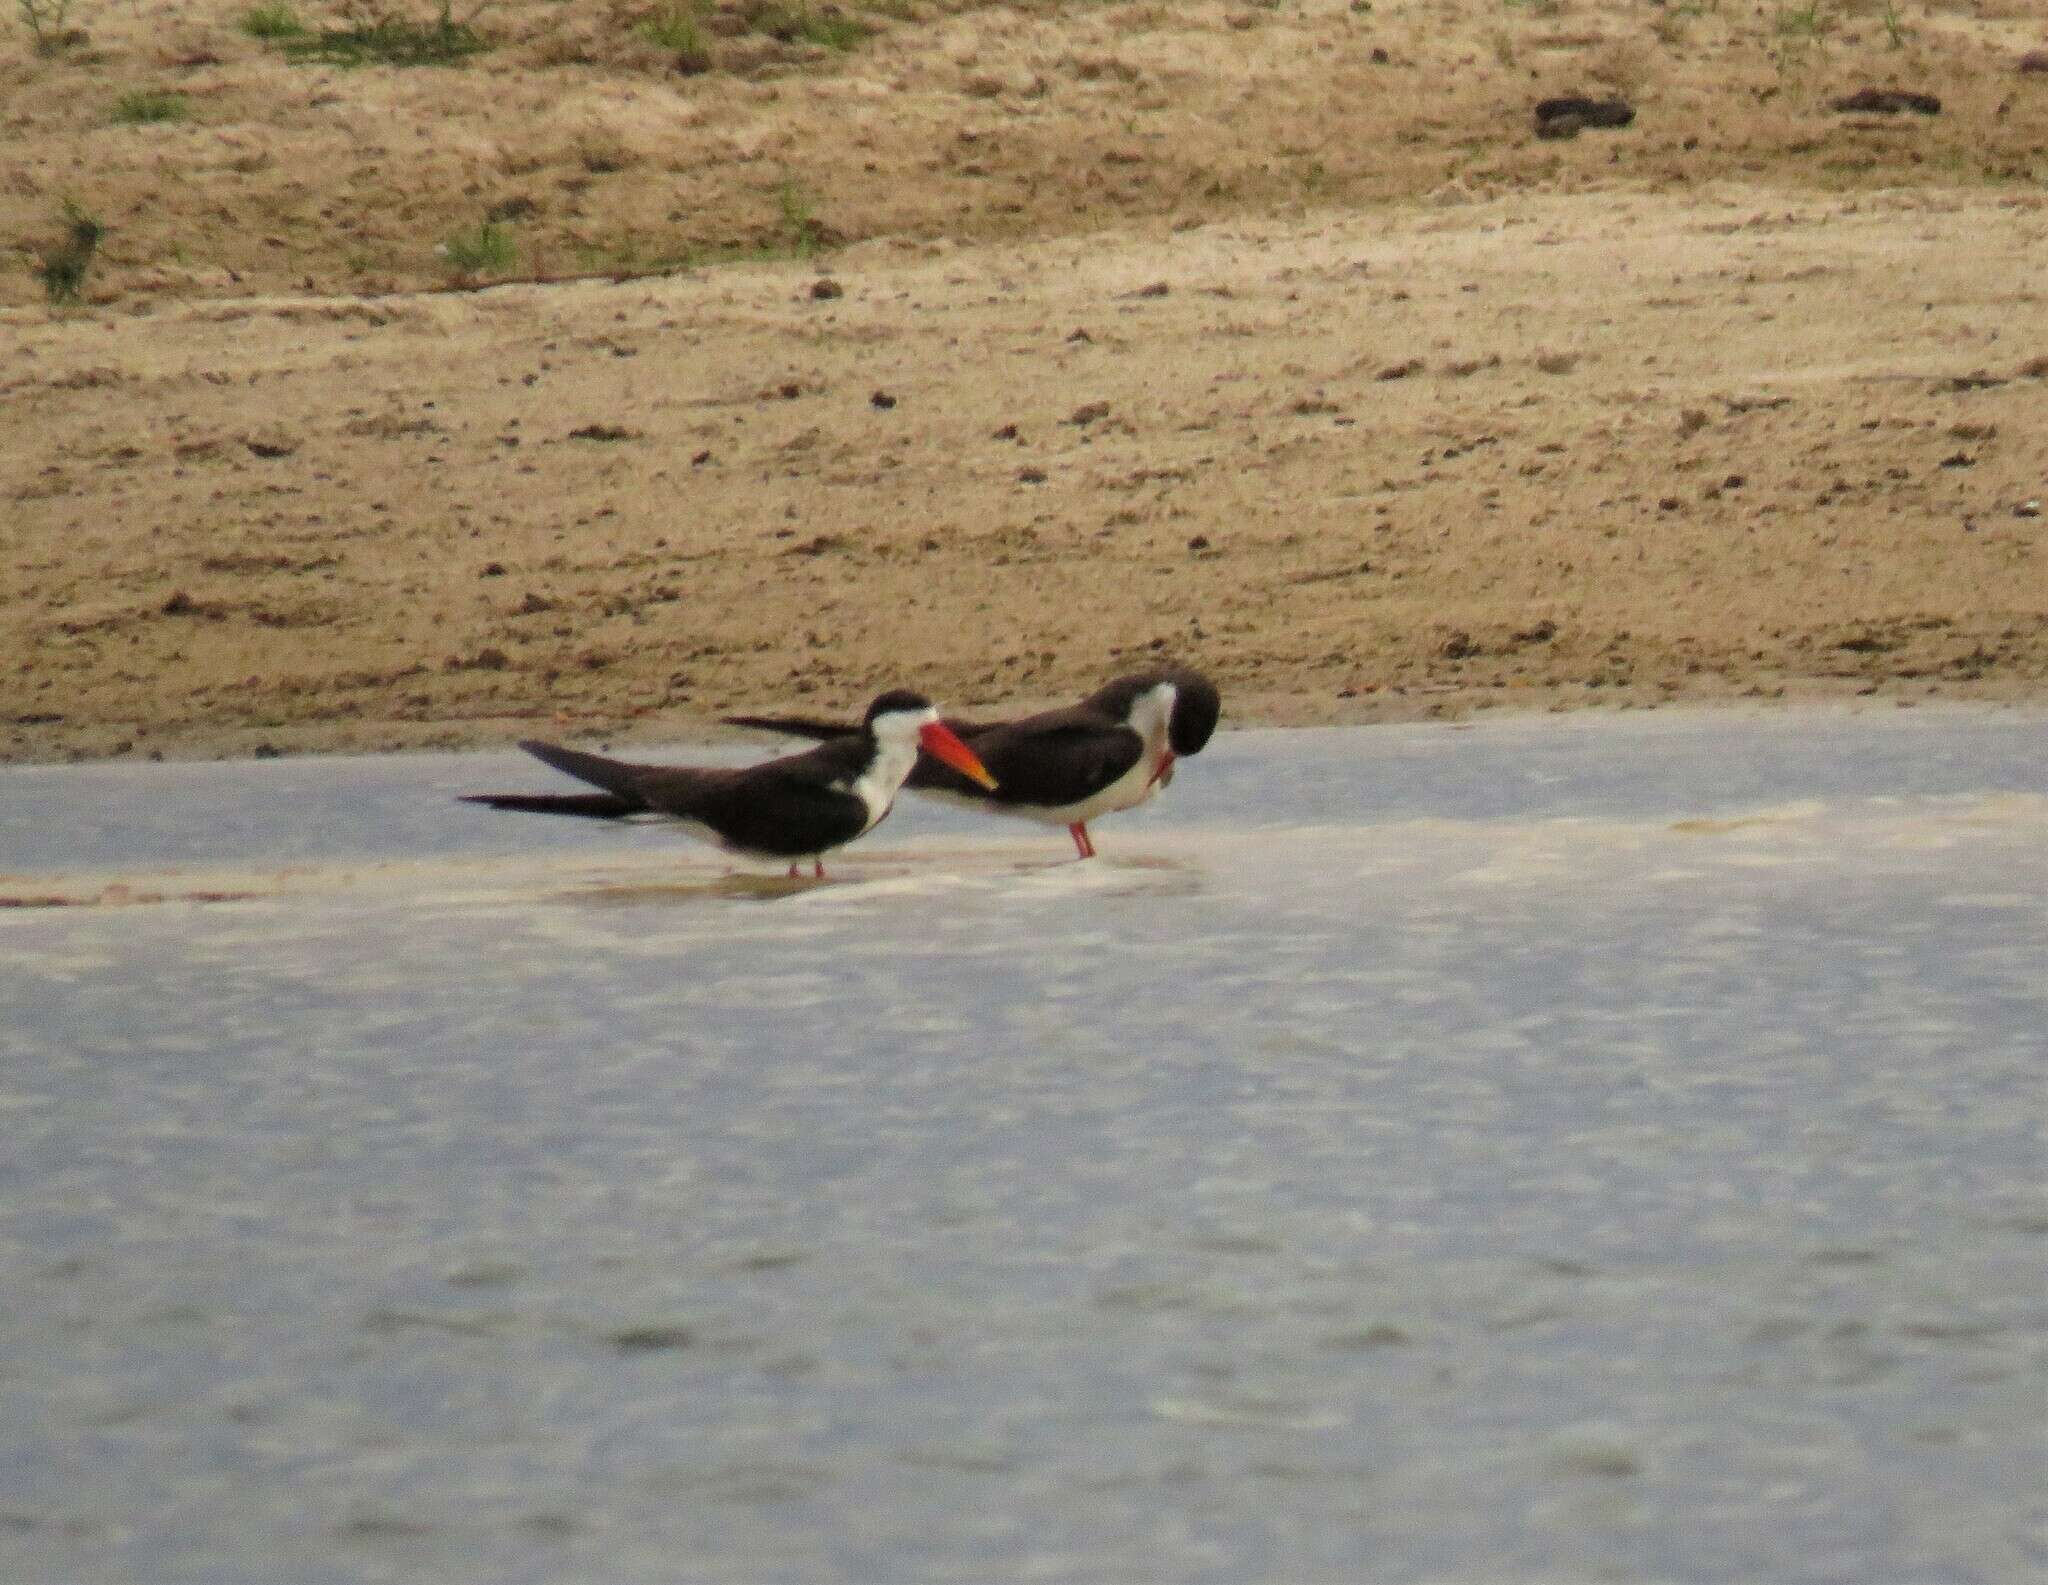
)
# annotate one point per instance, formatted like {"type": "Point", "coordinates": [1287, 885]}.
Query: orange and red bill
{"type": "Point", "coordinates": [943, 744]}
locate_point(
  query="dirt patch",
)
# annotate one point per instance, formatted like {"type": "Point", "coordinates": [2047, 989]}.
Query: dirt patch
{"type": "Point", "coordinates": [578, 143]}
{"type": "Point", "coordinates": [1391, 407]}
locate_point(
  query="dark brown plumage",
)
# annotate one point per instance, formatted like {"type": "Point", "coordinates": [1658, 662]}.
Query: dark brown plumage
{"type": "Point", "coordinates": [1067, 766]}
{"type": "Point", "coordinates": [800, 806]}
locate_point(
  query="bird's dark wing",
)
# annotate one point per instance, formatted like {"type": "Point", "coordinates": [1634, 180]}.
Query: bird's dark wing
{"type": "Point", "coordinates": [795, 726]}
{"type": "Point", "coordinates": [616, 801]}
{"type": "Point", "coordinates": [595, 806]}
{"type": "Point", "coordinates": [681, 791]}
{"type": "Point", "coordinates": [825, 731]}
{"type": "Point", "coordinates": [615, 776]}
{"type": "Point", "coordinates": [786, 808]}
{"type": "Point", "coordinates": [1048, 760]}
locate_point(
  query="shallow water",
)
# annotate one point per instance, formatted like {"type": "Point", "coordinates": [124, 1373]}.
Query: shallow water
{"type": "Point", "coordinates": [1550, 1150]}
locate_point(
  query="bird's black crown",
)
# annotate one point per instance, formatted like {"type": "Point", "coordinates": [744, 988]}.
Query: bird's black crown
{"type": "Point", "coordinates": [894, 700]}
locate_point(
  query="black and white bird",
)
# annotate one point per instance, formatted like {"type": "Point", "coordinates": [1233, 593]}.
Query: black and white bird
{"type": "Point", "coordinates": [798, 807]}
{"type": "Point", "coordinates": [1064, 767]}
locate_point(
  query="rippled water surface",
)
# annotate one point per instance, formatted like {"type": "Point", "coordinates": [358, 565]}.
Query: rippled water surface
{"type": "Point", "coordinates": [1551, 1150]}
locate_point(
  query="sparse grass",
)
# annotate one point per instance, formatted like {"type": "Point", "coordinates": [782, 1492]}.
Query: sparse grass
{"type": "Point", "coordinates": [801, 232]}
{"type": "Point", "coordinates": [45, 21]}
{"type": "Point", "coordinates": [602, 152]}
{"type": "Point", "coordinates": [486, 249]}
{"type": "Point", "coordinates": [271, 22]}
{"type": "Point", "coordinates": [828, 27]}
{"type": "Point", "coordinates": [1672, 24]}
{"type": "Point", "coordinates": [1504, 48]}
{"type": "Point", "coordinates": [62, 266]}
{"type": "Point", "coordinates": [1809, 21]}
{"type": "Point", "coordinates": [833, 30]}
{"type": "Point", "coordinates": [1619, 64]}
{"type": "Point", "coordinates": [627, 257]}
{"type": "Point", "coordinates": [379, 37]}
{"type": "Point", "coordinates": [676, 26]}
{"type": "Point", "coordinates": [147, 106]}
{"type": "Point", "coordinates": [1894, 24]}
{"type": "Point", "coordinates": [711, 255]}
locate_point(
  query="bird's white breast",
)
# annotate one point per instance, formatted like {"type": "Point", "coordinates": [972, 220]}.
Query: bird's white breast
{"type": "Point", "coordinates": [877, 786]}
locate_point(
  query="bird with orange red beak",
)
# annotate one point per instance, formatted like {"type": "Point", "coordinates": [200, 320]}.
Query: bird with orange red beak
{"type": "Point", "coordinates": [799, 807]}
{"type": "Point", "coordinates": [1113, 750]}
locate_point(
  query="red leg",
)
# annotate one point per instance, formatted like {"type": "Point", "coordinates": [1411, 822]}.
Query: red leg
{"type": "Point", "coordinates": [818, 868]}
{"type": "Point", "coordinates": [1082, 845]}
{"type": "Point", "coordinates": [794, 872]}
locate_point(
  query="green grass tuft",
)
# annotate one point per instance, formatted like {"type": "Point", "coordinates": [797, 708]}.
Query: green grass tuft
{"type": "Point", "coordinates": [827, 27]}
{"type": "Point", "coordinates": [382, 39]}
{"type": "Point", "coordinates": [487, 249]}
{"type": "Point", "coordinates": [833, 30]}
{"type": "Point", "coordinates": [62, 266]}
{"type": "Point", "coordinates": [674, 27]}
{"type": "Point", "coordinates": [145, 106]}
{"type": "Point", "coordinates": [1807, 21]}
{"type": "Point", "coordinates": [272, 22]}
{"type": "Point", "coordinates": [803, 234]}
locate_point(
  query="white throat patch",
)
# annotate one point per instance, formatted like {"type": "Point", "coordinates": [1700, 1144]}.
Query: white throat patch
{"type": "Point", "coordinates": [1150, 718]}
{"type": "Point", "coordinates": [896, 748]}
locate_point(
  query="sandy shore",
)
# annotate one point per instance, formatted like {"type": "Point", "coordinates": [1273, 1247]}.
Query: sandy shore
{"type": "Point", "coordinates": [1622, 423]}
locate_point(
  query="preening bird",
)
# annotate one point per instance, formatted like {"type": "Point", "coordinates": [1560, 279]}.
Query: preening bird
{"type": "Point", "coordinates": [1066, 767]}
